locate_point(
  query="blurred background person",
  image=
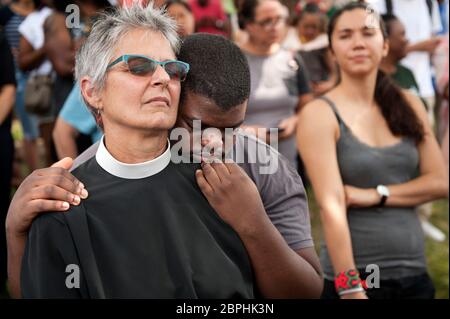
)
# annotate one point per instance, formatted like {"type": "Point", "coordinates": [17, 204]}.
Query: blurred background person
{"type": "Point", "coordinates": [4, 2]}
{"type": "Point", "coordinates": [73, 121]}
{"type": "Point", "coordinates": [391, 64]}
{"type": "Point", "coordinates": [422, 23]}
{"type": "Point", "coordinates": [7, 98]}
{"type": "Point", "coordinates": [181, 11]}
{"type": "Point", "coordinates": [279, 85]}
{"type": "Point", "coordinates": [11, 17]}
{"type": "Point", "coordinates": [75, 128]}
{"type": "Point", "coordinates": [32, 59]}
{"type": "Point", "coordinates": [308, 36]}
{"type": "Point", "coordinates": [210, 17]}
{"type": "Point", "coordinates": [308, 29]}
{"type": "Point", "coordinates": [61, 43]}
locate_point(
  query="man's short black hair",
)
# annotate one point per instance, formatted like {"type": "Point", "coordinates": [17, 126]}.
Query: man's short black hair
{"type": "Point", "coordinates": [387, 19]}
{"type": "Point", "coordinates": [219, 70]}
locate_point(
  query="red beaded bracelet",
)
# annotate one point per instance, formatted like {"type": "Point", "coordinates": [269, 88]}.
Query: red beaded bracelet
{"type": "Point", "coordinates": [348, 282]}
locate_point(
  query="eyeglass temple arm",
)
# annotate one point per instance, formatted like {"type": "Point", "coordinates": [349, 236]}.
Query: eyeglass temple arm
{"type": "Point", "coordinates": [122, 58]}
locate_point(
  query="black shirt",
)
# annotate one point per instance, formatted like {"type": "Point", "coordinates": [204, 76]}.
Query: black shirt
{"type": "Point", "coordinates": [146, 231]}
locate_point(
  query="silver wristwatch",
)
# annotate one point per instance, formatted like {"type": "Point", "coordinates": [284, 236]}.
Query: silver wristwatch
{"type": "Point", "coordinates": [384, 193]}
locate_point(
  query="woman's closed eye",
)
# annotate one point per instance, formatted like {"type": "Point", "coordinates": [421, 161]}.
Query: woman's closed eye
{"type": "Point", "coordinates": [368, 33]}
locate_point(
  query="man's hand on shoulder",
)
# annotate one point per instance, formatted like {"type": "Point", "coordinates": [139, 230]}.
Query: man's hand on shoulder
{"type": "Point", "coordinates": [44, 190]}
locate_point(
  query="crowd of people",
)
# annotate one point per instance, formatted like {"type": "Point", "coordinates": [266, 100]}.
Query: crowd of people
{"type": "Point", "coordinates": [355, 91]}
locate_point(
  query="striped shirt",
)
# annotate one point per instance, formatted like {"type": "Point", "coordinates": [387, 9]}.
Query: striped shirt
{"type": "Point", "coordinates": [11, 21]}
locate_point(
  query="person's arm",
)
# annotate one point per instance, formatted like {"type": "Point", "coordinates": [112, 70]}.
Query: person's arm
{"type": "Point", "coordinates": [428, 45]}
{"type": "Point", "coordinates": [58, 45]}
{"type": "Point", "coordinates": [29, 58]}
{"type": "Point", "coordinates": [431, 184]}
{"type": "Point", "coordinates": [444, 148]}
{"type": "Point", "coordinates": [48, 189]}
{"type": "Point", "coordinates": [64, 136]}
{"type": "Point", "coordinates": [317, 145]}
{"type": "Point", "coordinates": [7, 99]}
{"type": "Point", "coordinates": [288, 125]}
{"type": "Point", "coordinates": [305, 94]}
{"type": "Point", "coordinates": [279, 271]}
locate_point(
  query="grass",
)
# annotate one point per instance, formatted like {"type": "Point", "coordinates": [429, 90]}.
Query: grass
{"type": "Point", "coordinates": [437, 253]}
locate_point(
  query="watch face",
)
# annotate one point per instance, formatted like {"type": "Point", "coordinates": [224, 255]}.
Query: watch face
{"type": "Point", "coordinates": [383, 190]}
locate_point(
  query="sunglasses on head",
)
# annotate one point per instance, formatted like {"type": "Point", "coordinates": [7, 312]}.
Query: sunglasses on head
{"type": "Point", "coordinates": [144, 66]}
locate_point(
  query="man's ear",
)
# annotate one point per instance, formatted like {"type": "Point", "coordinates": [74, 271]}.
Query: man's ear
{"type": "Point", "coordinates": [90, 94]}
{"type": "Point", "coordinates": [385, 48]}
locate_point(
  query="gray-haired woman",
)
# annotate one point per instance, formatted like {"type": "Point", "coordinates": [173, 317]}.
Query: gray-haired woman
{"type": "Point", "coordinates": [146, 230]}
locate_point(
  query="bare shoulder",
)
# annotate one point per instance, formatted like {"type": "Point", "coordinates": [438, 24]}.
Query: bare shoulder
{"type": "Point", "coordinates": [54, 22]}
{"type": "Point", "coordinates": [414, 101]}
{"type": "Point", "coordinates": [318, 113]}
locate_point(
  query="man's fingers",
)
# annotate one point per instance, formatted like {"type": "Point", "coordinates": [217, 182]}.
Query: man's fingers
{"type": "Point", "coordinates": [72, 185]}
{"type": "Point", "coordinates": [65, 163]}
{"type": "Point", "coordinates": [232, 167]}
{"type": "Point", "coordinates": [63, 182]}
{"type": "Point", "coordinates": [210, 174]}
{"type": "Point", "coordinates": [203, 183]}
{"type": "Point", "coordinates": [46, 205]}
{"type": "Point", "coordinates": [221, 170]}
{"type": "Point", "coordinates": [53, 192]}
{"type": "Point", "coordinates": [59, 171]}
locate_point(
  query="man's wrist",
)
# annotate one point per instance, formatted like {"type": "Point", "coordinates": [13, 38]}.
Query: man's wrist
{"type": "Point", "coordinates": [12, 232]}
{"type": "Point", "coordinates": [252, 226]}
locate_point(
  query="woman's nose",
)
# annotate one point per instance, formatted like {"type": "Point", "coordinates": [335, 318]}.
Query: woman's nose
{"type": "Point", "coordinates": [160, 77]}
{"type": "Point", "coordinates": [358, 41]}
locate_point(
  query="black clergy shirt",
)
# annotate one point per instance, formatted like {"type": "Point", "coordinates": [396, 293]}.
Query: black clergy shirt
{"type": "Point", "coordinates": [145, 231]}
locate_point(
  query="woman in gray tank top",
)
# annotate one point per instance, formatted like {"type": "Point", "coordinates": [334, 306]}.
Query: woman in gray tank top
{"type": "Point", "coordinates": [372, 158]}
{"type": "Point", "coordinates": [279, 85]}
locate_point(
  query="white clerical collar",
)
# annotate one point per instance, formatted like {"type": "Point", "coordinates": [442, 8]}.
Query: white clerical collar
{"type": "Point", "coordinates": [131, 171]}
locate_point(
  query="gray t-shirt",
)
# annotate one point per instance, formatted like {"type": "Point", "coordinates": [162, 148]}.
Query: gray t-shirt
{"type": "Point", "coordinates": [282, 192]}
{"type": "Point", "coordinates": [276, 83]}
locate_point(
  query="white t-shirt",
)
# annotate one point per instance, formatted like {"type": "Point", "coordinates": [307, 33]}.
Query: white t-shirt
{"type": "Point", "coordinates": [32, 29]}
{"type": "Point", "coordinates": [419, 26]}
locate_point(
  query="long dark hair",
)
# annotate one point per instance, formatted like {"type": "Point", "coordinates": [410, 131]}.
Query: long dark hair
{"type": "Point", "coordinates": [398, 113]}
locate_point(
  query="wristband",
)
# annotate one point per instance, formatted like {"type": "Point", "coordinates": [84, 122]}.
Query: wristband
{"type": "Point", "coordinates": [350, 291]}
{"type": "Point", "coordinates": [348, 282]}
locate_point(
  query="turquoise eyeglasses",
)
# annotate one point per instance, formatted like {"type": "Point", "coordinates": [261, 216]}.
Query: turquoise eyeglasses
{"type": "Point", "coordinates": [141, 65]}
